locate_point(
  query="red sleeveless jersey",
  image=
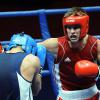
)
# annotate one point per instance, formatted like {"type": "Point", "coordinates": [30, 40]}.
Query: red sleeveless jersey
{"type": "Point", "coordinates": [66, 59]}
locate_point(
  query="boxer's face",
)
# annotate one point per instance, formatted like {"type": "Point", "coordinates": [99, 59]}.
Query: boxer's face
{"type": "Point", "coordinates": [73, 32]}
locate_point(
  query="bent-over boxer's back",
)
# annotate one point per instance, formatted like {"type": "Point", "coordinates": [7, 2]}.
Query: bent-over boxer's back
{"type": "Point", "coordinates": [12, 84]}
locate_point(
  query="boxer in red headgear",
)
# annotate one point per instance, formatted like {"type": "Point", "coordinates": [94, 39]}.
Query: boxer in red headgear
{"type": "Point", "coordinates": [83, 21]}
{"type": "Point", "coordinates": [75, 83]}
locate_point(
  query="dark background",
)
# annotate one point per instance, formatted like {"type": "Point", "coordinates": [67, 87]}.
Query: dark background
{"type": "Point", "coordinates": [30, 25]}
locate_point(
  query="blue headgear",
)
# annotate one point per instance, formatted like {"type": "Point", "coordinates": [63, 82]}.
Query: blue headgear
{"type": "Point", "coordinates": [27, 42]}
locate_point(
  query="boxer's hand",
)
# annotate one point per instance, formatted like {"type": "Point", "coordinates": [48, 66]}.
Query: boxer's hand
{"type": "Point", "coordinates": [85, 68]}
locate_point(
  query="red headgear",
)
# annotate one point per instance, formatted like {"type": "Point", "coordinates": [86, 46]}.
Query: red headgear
{"type": "Point", "coordinates": [74, 20]}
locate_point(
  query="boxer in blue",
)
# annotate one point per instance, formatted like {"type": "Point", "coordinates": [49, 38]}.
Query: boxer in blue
{"type": "Point", "coordinates": [18, 68]}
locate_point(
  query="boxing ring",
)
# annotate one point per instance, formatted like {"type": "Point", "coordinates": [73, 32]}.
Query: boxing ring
{"type": "Point", "coordinates": [45, 34]}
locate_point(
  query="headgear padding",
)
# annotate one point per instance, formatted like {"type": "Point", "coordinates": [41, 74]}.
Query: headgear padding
{"type": "Point", "coordinates": [83, 21]}
{"type": "Point", "coordinates": [25, 41]}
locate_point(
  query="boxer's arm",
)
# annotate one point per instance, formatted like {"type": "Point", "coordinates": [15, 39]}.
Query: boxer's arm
{"type": "Point", "coordinates": [30, 70]}
{"type": "Point", "coordinates": [36, 82]}
{"type": "Point", "coordinates": [51, 45]}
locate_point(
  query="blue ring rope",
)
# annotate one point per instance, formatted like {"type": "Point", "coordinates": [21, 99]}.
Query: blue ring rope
{"type": "Point", "coordinates": [36, 12]}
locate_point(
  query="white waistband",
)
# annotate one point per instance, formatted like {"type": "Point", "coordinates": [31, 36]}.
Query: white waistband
{"type": "Point", "coordinates": [78, 94]}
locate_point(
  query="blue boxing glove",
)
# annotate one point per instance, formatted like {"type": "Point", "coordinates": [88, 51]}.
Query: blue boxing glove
{"type": "Point", "coordinates": [41, 53]}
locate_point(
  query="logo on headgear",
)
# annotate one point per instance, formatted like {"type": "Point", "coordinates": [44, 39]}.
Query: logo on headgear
{"type": "Point", "coordinates": [70, 20]}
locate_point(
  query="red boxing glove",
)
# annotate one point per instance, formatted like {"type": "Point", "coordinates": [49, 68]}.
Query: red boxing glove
{"type": "Point", "coordinates": [85, 68]}
{"type": "Point", "coordinates": [0, 48]}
